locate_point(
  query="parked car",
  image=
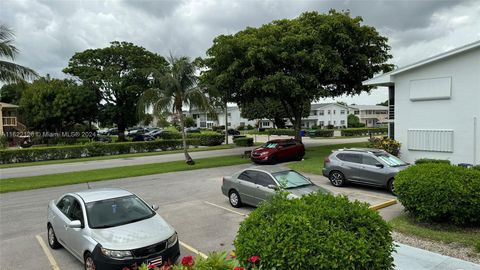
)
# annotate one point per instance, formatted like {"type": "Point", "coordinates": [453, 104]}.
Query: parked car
{"type": "Point", "coordinates": [142, 137]}
{"type": "Point", "coordinates": [112, 131]}
{"type": "Point", "coordinates": [231, 132]}
{"type": "Point", "coordinates": [192, 130]}
{"type": "Point", "coordinates": [155, 133]}
{"type": "Point", "coordinates": [103, 138]}
{"type": "Point", "coordinates": [110, 229]}
{"type": "Point", "coordinates": [134, 131]}
{"type": "Point", "coordinates": [373, 167]}
{"type": "Point", "coordinates": [278, 151]}
{"type": "Point", "coordinates": [102, 131]}
{"type": "Point", "coordinates": [254, 185]}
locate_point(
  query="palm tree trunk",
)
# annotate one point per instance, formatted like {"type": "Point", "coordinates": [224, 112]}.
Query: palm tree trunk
{"type": "Point", "coordinates": [226, 122]}
{"type": "Point", "coordinates": [188, 158]}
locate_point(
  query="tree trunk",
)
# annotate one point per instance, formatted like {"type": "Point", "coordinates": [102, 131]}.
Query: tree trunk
{"type": "Point", "coordinates": [188, 158]}
{"type": "Point", "coordinates": [226, 123]}
{"type": "Point", "coordinates": [298, 126]}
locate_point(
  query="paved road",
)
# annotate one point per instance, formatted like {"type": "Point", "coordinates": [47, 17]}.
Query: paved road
{"type": "Point", "coordinates": [99, 164]}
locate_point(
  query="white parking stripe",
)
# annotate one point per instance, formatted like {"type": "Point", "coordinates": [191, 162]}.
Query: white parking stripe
{"type": "Point", "coordinates": [193, 250]}
{"type": "Point", "coordinates": [47, 252]}
{"type": "Point", "coordinates": [224, 208]}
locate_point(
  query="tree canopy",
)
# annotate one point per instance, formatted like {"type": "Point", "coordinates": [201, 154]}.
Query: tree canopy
{"type": "Point", "coordinates": [119, 74]}
{"type": "Point", "coordinates": [298, 61]}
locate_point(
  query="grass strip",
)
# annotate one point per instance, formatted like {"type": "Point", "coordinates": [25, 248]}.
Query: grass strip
{"type": "Point", "coordinates": [437, 232]}
{"type": "Point", "coordinates": [314, 156]}
{"type": "Point", "coordinates": [60, 179]}
{"type": "Point", "coordinates": [62, 161]}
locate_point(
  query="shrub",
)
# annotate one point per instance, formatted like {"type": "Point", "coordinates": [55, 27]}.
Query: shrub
{"type": "Point", "coordinates": [389, 145]}
{"type": "Point", "coordinates": [170, 135]}
{"type": "Point", "coordinates": [243, 141]}
{"type": "Point", "coordinates": [249, 127]}
{"type": "Point", "coordinates": [431, 160]}
{"type": "Point", "coordinates": [316, 231]}
{"type": "Point", "coordinates": [320, 133]}
{"type": "Point", "coordinates": [288, 132]}
{"type": "Point", "coordinates": [208, 138]}
{"type": "Point", "coordinates": [476, 167]}
{"type": "Point", "coordinates": [3, 141]}
{"type": "Point", "coordinates": [363, 131]}
{"type": "Point", "coordinates": [240, 128]}
{"type": "Point", "coordinates": [88, 150]}
{"type": "Point", "coordinates": [440, 193]}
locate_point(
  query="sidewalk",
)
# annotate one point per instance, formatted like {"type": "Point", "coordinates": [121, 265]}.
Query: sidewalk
{"type": "Point", "coordinates": [411, 258]}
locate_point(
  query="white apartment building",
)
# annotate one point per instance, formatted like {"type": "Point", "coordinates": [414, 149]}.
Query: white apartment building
{"type": "Point", "coordinates": [234, 119]}
{"type": "Point", "coordinates": [326, 114]}
{"type": "Point", "coordinates": [370, 115]}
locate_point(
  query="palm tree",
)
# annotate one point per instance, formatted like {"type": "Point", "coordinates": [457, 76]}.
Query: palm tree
{"type": "Point", "coordinates": [174, 89]}
{"type": "Point", "coordinates": [10, 72]}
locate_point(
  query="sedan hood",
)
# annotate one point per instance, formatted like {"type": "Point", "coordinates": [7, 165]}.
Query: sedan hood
{"type": "Point", "coordinates": [261, 149]}
{"type": "Point", "coordinates": [134, 235]}
{"type": "Point", "coordinates": [298, 192]}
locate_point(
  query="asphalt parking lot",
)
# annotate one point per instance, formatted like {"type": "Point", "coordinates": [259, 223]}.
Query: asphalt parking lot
{"type": "Point", "coordinates": [190, 201]}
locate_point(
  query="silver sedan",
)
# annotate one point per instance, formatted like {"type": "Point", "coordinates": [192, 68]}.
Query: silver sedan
{"type": "Point", "coordinates": [110, 229]}
{"type": "Point", "coordinates": [254, 185]}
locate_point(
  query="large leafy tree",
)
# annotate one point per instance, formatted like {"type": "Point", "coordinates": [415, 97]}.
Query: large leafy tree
{"type": "Point", "coordinates": [119, 74]}
{"type": "Point", "coordinates": [11, 93]}
{"type": "Point", "coordinates": [264, 108]}
{"type": "Point", "coordinates": [173, 90]}
{"type": "Point", "coordinates": [298, 61]}
{"type": "Point", "coordinates": [56, 105]}
{"type": "Point", "coordinates": [11, 72]}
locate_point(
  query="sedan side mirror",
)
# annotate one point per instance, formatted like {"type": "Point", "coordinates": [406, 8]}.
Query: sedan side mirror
{"type": "Point", "coordinates": [75, 224]}
{"type": "Point", "coordinates": [274, 187]}
{"type": "Point", "coordinates": [379, 165]}
{"type": "Point", "coordinates": [155, 207]}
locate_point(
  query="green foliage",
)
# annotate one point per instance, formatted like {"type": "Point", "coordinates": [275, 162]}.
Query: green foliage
{"type": "Point", "coordinates": [118, 75]}
{"type": "Point", "coordinates": [56, 105]}
{"type": "Point", "coordinates": [316, 231]}
{"type": "Point", "coordinates": [354, 122]}
{"type": "Point", "coordinates": [431, 160]}
{"type": "Point", "coordinates": [389, 145]}
{"type": "Point", "coordinates": [88, 150]}
{"type": "Point", "coordinates": [11, 93]}
{"type": "Point", "coordinates": [363, 131]}
{"type": "Point", "coordinates": [189, 122]}
{"type": "Point", "coordinates": [296, 61]}
{"type": "Point", "coordinates": [249, 127]}
{"type": "Point", "coordinates": [208, 138]}
{"type": "Point", "coordinates": [476, 167]}
{"type": "Point", "coordinates": [170, 135]}
{"type": "Point", "coordinates": [266, 108]}
{"type": "Point", "coordinates": [440, 193]}
{"type": "Point", "coordinates": [320, 133]}
{"type": "Point", "coordinates": [3, 141]}
{"type": "Point", "coordinates": [243, 141]}
{"type": "Point", "coordinates": [287, 132]}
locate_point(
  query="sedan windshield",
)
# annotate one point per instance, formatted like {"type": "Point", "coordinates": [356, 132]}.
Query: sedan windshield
{"type": "Point", "coordinates": [117, 211]}
{"type": "Point", "coordinates": [270, 145]}
{"type": "Point", "coordinates": [390, 160]}
{"type": "Point", "coordinates": [291, 179]}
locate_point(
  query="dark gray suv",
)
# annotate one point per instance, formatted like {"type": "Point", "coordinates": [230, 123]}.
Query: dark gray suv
{"type": "Point", "coordinates": [366, 166]}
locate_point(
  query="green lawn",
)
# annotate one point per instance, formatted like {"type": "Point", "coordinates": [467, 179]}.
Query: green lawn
{"type": "Point", "coordinates": [438, 232]}
{"type": "Point", "coordinates": [50, 180]}
{"type": "Point", "coordinates": [313, 160]}
{"type": "Point", "coordinates": [47, 162]}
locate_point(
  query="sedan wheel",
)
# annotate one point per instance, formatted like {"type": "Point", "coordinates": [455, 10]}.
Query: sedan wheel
{"type": "Point", "coordinates": [391, 187]}
{"type": "Point", "coordinates": [234, 199]}
{"type": "Point", "coordinates": [52, 239]}
{"type": "Point", "coordinates": [89, 263]}
{"type": "Point", "coordinates": [337, 179]}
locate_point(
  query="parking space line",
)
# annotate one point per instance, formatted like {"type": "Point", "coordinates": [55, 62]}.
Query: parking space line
{"type": "Point", "coordinates": [193, 250]}
{"type": "Point", "coordinates": [384, 204]}
{"type": "Point", "coordinates": [47, 252]}
{"type": "Point", "coordinates": [224, 208]}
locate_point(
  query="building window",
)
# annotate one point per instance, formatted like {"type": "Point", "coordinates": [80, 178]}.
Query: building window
{"type": "Point", "coordinates": [313, 113]}
{"type": "Point", "coordinates": [229, 124]}
{"type": "Point", "coordinates": [321, 112]}
{"type": "Point", "coordinates": [328, 112]}
{"type": "Point", "coordinates": [242, 124]}
{"type": "Point", "coordinates": [334, 122]}
{"type": "Point", "coordinates": [342, 122]}
{"type": "Point", "coordinates": [329, 123]}
{"type": "Point", "coordinates": [266, 123]}
{"type": "Point", "coordinates": [334, 111]}
{"type": "Point", "coordinates": [356, 112]}
{"type": "Point", "coordinates": [229, 114]}
{"type": "Point", "coordinates": [322, 123]}
{"type": "Point", "coordinates": [342, 111]}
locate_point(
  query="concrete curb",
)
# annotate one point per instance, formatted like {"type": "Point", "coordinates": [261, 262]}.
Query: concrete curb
{"type": "Point", "coordinates": [384, 204]}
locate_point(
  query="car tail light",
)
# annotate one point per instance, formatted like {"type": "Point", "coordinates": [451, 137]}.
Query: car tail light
{"type": "Point", "coordinates": [326, 159]}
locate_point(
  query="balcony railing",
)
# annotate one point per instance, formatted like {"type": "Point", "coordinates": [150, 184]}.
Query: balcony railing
{"type": "Point", "coordinates": [391, 112]}
{"type": "Point", "coordinates": [9, 121]}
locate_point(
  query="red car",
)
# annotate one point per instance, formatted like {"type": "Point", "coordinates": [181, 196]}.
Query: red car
{"type": "Point", "coordinates": [278, 151]}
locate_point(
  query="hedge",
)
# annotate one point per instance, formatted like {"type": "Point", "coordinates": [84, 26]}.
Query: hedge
{"type": "Point", "coordinates": [320, 133]}
{"type": "Point", "coordinates": [431, 160]}
{"type": "Point", "coordinates": [439, 192]}
{"type": "Point", "coordinates": [243, 141]}
{"type": "Point", "coordinates": [316, 231]}
{"type": "Point", "coordinates": [207, 139]}
{"type": "Point", "coordinates": [363, 131]}
{"type": "Point", "coordinates": [288, 132]}
{"type": "Point", "coordinates": [88, 150]}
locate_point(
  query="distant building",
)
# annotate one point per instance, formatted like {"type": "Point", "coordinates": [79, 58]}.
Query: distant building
{"type": "Point", "coordinates": [370, 115]}
{"type": "Point", "coordinates": [436, 106]}
{"type": "Point", "coordinates": [234, 119]}
{"type": "Point", "coordinates": [326, 114]}
{"type": "Point", "coordinates": [8, 116]}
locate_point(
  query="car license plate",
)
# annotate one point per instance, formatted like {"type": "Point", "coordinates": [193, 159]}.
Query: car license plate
{"type": "Point", "coordinates": [156, 261]}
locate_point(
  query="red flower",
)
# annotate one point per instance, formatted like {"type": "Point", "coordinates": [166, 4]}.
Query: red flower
{"type": "Point", "coordinates": [187, 261]}
{"type": "Point", "coordinates": [238, 268]}
{"type": "Point", "coordinates": [254, 259]}
{"type": "Point", "coordinates": [151, 266]}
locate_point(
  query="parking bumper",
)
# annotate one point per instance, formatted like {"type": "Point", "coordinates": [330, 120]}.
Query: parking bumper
{"type": "Point", "coordinates": [169, 256]}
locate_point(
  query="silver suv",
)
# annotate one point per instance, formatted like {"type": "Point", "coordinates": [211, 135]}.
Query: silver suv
{"type": "Point", "coordinates": [366, 166]}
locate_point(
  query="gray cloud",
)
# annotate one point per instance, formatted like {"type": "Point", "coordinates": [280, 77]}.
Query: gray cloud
{"type": "Point", "coordinates": [49, 32]}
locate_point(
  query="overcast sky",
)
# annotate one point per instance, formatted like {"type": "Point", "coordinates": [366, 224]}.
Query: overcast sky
{"type": "Point", "coordinates": [49, 32]}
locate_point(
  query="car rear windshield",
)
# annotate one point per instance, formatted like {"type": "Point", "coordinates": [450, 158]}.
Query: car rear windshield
{"type": "Point", "coordinates": [390, 160]}
{"type": "Point", "coordinates": [270, 145]}
{"type": "Point", "coordinates": [291, 179]}
{"type": "Point", "coordinates": [117, 211]}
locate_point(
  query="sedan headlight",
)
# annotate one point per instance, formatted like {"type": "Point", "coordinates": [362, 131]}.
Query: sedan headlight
{"type": "Point", "coordinates": [263, 153]}
{"type": "Point", "coordinates": [172, 240]}
{"type": "Point", "coordinates": [116, 254]}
